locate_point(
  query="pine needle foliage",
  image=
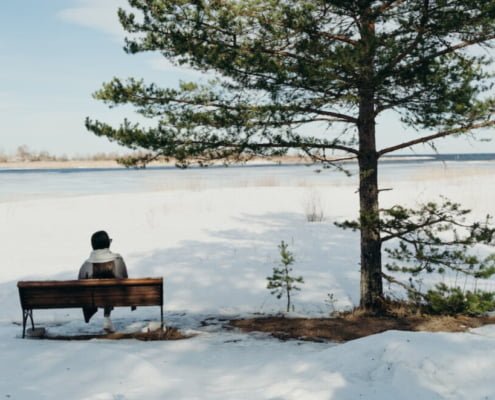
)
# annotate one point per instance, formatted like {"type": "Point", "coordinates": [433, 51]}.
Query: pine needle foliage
{"type": "Point", "coordinates": [437, 239]}
{"type": "Point", "coordinates": [447, 300]}
{"type": "Point", "coordinates": [282, 283]}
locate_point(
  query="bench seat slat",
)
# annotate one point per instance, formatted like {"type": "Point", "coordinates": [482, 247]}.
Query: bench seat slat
{"type": "Point", "coordinates": [92, 282]}
{"type": "Point", "coordinates": [47, 300]}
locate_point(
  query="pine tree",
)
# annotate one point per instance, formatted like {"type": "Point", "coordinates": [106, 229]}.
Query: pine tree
{"type": "Point", "coordinates": [285, 67]}
{"type": "Point", "coordinates": [282, 283]}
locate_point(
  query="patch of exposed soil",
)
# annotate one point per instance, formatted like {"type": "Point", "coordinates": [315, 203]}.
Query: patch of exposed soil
{"type": "Point", "coordinates": [169, 334]}
{"type": "Point", "coordinates": [350, 327]}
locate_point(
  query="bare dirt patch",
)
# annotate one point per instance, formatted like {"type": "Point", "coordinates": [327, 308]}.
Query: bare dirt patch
{"type": "Point", "coordinates": [169, 334]}
{"type": "Point", "coordinates": [349, 327]}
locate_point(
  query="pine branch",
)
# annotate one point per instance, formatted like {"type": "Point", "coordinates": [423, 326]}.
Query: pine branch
{"type": "Point", "coordinates": [408, 288]}
{"type": "Point", "coordinates": [438, 135]}
{"type": "Point", "coordinates": [409, 49]}
{"type": "Point", "coordinates": [388, 5]}
{"type": "Point", "coordinates": [449, 49]}
{"type": "Point", "coordinates": [340, 38]}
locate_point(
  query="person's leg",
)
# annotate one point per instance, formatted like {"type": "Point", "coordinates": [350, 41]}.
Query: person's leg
{"type": "Point", "coordinates": [107, 322]}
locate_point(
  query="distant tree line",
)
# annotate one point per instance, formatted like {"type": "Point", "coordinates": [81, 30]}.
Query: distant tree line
{"type": "Point", "coordinates": [25, 154]}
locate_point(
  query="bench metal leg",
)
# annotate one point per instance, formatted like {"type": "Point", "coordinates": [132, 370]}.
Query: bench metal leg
{"type": "Point", "coordinates": [161, 317]}
{"type": "Point", "coordinates": [25, 315]}
{"type": "Point", "coordinates": [161, 322]}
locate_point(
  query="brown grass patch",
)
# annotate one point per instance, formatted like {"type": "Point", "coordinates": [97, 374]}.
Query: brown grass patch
{"type": "Point", "coordinates": [353, 326]}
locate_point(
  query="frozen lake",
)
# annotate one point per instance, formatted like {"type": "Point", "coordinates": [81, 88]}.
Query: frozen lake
{"type": "Point", "coordinates": [23, 184]}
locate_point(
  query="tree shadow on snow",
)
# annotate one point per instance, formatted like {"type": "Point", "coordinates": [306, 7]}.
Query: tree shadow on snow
{"type": "Point", "coordinates": [228, 271]}
{"type": "Point", "coordinates": [225, 274]}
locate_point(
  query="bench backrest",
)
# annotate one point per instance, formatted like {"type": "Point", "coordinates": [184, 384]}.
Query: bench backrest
{"type": "Point", "coordinates": [91, 293]}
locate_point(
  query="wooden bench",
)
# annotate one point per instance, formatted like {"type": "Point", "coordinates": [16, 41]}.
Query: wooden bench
{"type": "Point", "coordinates": [39, 295]}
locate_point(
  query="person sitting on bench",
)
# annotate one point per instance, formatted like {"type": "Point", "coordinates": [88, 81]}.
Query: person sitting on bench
{"type": "Point", "coordinates": [102, 264]}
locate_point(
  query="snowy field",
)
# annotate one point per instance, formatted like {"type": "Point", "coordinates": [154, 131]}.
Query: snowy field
{"type": "Point", "coordinates": [213, 237]}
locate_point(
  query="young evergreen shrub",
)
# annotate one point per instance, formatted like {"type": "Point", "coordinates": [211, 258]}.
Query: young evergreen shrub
{"type": "Point", "coordinates": [282, 282]}
{"type": "Point", "coordinates": [446, 300]}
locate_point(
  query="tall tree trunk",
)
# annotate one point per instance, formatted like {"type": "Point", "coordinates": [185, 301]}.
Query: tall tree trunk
{"type": "Point", "coordinates": [371, 259]}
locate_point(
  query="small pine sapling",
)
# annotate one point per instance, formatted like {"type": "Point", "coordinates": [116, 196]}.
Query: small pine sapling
{"type": "Point", "coordinates": [281, 282]}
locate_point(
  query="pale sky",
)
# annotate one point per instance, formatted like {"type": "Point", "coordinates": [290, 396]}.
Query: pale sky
{"type": "Point", "coordinates": [55, 53]}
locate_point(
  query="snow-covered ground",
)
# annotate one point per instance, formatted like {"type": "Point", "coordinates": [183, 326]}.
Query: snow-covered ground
{"type": "Point", "coordinates": [215, 245]}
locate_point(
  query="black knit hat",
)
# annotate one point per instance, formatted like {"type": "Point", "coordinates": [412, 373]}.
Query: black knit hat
{"type": "Point", "coordinates": [100, 240]}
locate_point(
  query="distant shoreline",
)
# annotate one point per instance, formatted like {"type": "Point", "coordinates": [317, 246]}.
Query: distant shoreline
{"type": "Point", "coordinates": [287, 160]}
{"type": "Point", "coordinates": [109, 164]}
